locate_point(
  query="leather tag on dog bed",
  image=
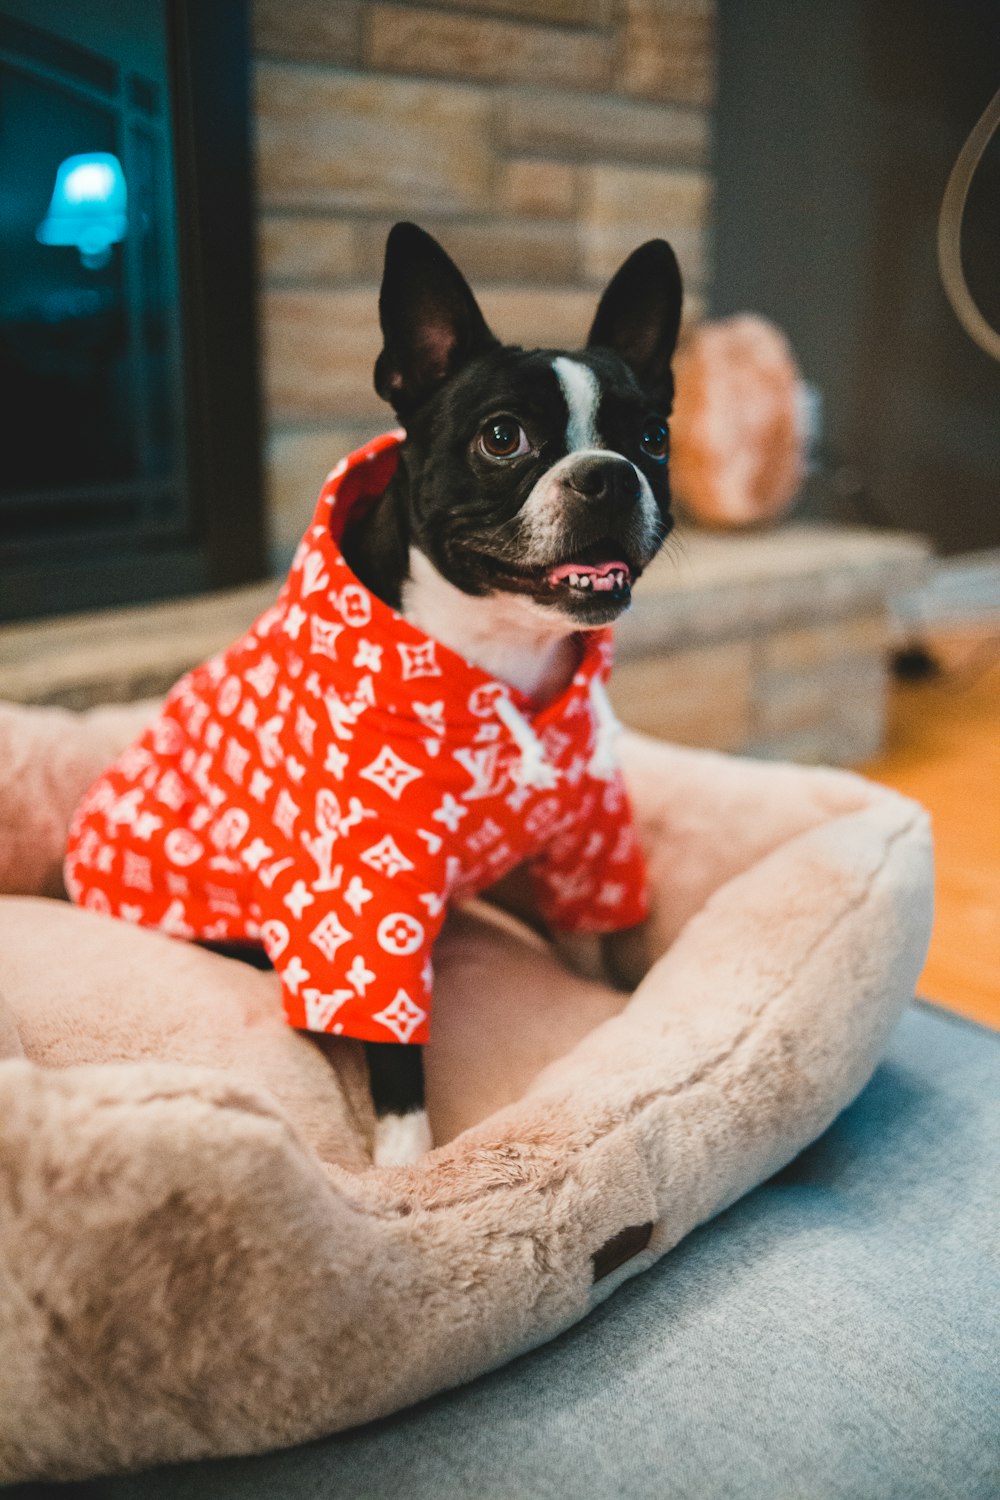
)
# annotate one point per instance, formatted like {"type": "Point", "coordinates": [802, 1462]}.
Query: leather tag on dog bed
{"type": "Point", "coordinates": [620, 1248]}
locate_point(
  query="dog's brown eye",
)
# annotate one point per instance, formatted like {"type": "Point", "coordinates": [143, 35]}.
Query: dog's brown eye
{"type": "Point", "coordinates": [502, 437]}
{"type": "Point", "coordinates": [655, 440]}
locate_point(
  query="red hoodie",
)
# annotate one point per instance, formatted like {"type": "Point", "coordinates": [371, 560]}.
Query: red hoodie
{"type": "Point", "coordinates": [328, 784]}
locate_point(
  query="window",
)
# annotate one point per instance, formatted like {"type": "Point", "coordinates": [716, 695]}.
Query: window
{"type": "Point", "coordinates": [130, 465]}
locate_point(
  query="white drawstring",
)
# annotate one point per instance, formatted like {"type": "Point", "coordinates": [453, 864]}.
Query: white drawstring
{"type": "Point", "coordinates": [535, 769]}
{"type": "Point", "coordinates": [603, 762]}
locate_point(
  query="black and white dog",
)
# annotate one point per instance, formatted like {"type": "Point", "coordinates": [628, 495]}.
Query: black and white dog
{"type": "Point", "coordinates": [531, 493]}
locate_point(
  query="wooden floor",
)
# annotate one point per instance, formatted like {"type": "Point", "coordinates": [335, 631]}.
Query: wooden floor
{"type": "Point", "coordinates": [944, 749]}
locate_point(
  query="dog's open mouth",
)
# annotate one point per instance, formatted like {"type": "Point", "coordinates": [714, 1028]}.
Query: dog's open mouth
{"type": "Point", "coordinates": [596, 578]}
{"type": "Point", "coordinates": [595, 583]}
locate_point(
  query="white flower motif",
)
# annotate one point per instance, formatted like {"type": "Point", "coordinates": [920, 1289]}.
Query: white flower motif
{"type": "Point", "coordinates": [324, 637]}
{"type": "Point", "coordinates": [260, 785]}
{"type": "Point", "coordinates": [182, 848]}
{"type": "Point", "coordinates": [450, 813]}
{"type": "Point", "coordinates": [418, 661]}
{"type": "Point", "coordinates": [336, 761]}
{"type": "Point", "coordinates": [134, 761]}
{"type": "Point", "coordinates": [294, 621]}
{"type": "Point", "coordinates": [355, 605]}
{"type": "Point", "coordinates": [294, 973]}
{"type": "Point", "coordinates": [298, 898]}
{"type": "Point", "coordinates": [269, 742]}
{"type": "Point", "coordinates": [167, 738]}
{"type": "Point", "coordinates": [368, 656]}
{"type": "Point", "coordinates": [170, 791]}
{"type": "Point", "coordinates": [400, 934]}
{"type": "Point", "coordinates": [255, 853]}
{"type": "Point", "coordinates": [359, 975]}
{"type": "Point", "coordinates": [390, 772]}
{"type": "Point", "coordinates": [482, 700]}
{"type": "Point", "coordinates": [228, 697]}
{"type": "Point", "coordinates": [286, 810]}
{"type": "Point", "coordinates": [247, 715]}
{"type": "Point", "coordinates": [402, 1017]}
{"type": "Point", "coordinates": [357, 894]}
{"type": "Point", "coordinates": [138, 871]}
{"type": "Point", "coordinates": [386, 857]}
{"type": "Point", "coordinates": [234, 761]}
{"type": "Point", "coordinates": [329, 934]}
{"type": "Point", "coordinates": [305, 729]}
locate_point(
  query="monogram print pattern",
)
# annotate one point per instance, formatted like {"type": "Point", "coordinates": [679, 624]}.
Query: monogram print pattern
{"type": "Point", "coordinates": [327, 785]}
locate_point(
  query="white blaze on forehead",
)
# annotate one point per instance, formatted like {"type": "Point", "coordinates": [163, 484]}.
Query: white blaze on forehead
{"type": "Point", "coordinates": [582, 393]}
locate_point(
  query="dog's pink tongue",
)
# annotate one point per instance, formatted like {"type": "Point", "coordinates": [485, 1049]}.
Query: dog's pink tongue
{"type": "Point", "coordinates": [601, 576]}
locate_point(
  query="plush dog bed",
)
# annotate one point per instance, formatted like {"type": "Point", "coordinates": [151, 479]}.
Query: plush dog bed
{"type": "Point", "coordinates": [196, 1257]}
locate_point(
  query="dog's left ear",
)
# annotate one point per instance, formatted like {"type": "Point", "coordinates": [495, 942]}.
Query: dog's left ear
{"type": "Point", "coordinates": [639, 316]}
{"type": "Point", "coordinates": [431, 322]}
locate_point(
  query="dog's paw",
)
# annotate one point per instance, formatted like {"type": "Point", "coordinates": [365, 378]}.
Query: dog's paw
{"type": "Point", "coordinates": [402, 1139]}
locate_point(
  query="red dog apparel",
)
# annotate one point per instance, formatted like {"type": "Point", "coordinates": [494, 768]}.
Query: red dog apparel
{"type": "Point", "coordinates": [328, 784]}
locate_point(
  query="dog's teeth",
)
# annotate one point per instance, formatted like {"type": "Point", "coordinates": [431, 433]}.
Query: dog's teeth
{"type": "Point", "coordinates": [573, 580]}
{"type": "Point", "coordinates": [585, 580]}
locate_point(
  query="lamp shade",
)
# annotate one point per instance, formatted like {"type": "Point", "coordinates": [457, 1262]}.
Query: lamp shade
{"type": "Point", "coordinates": [89, 207]}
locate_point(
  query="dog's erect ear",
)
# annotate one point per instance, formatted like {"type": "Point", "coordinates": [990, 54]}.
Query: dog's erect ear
{"type": "Point", "coordinates": [639, 315]}
{"type": "Point", "coordinates": [431, 322]}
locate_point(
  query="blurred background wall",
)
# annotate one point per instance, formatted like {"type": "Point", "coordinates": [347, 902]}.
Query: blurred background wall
{"type": "Point", "coordinates": [837, 125]}
{"type": "Point", "coordinates": [540, 140]}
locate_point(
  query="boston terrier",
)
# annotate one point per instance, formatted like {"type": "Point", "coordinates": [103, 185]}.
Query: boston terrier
{"type": "Point", "coordinates": [532, 491]}
{"type": "Point", "coordinates": [423, 708]}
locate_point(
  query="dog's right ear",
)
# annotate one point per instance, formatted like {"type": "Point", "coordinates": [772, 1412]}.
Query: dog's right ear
{"type": "Point", "coordinates": [431, 323]}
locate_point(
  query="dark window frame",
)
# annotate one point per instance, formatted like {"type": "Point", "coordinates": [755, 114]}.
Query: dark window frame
{"type": "Point", "coordinates": [225, 542]}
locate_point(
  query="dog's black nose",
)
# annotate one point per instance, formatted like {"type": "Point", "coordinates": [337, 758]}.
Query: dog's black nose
{"type": "Point", "coordinates": [612, 480]}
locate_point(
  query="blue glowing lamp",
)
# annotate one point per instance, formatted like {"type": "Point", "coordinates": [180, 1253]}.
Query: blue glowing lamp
{"type": "Point", "coordinates": [89, 207]}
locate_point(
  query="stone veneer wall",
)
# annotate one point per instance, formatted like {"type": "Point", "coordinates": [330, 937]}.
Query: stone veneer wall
{"type": "Point", "coordinates": [540, 140]}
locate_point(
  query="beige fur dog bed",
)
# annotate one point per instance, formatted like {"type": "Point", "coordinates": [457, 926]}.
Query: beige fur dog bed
{"type": "Point", "coordinates": [195, 1256]}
